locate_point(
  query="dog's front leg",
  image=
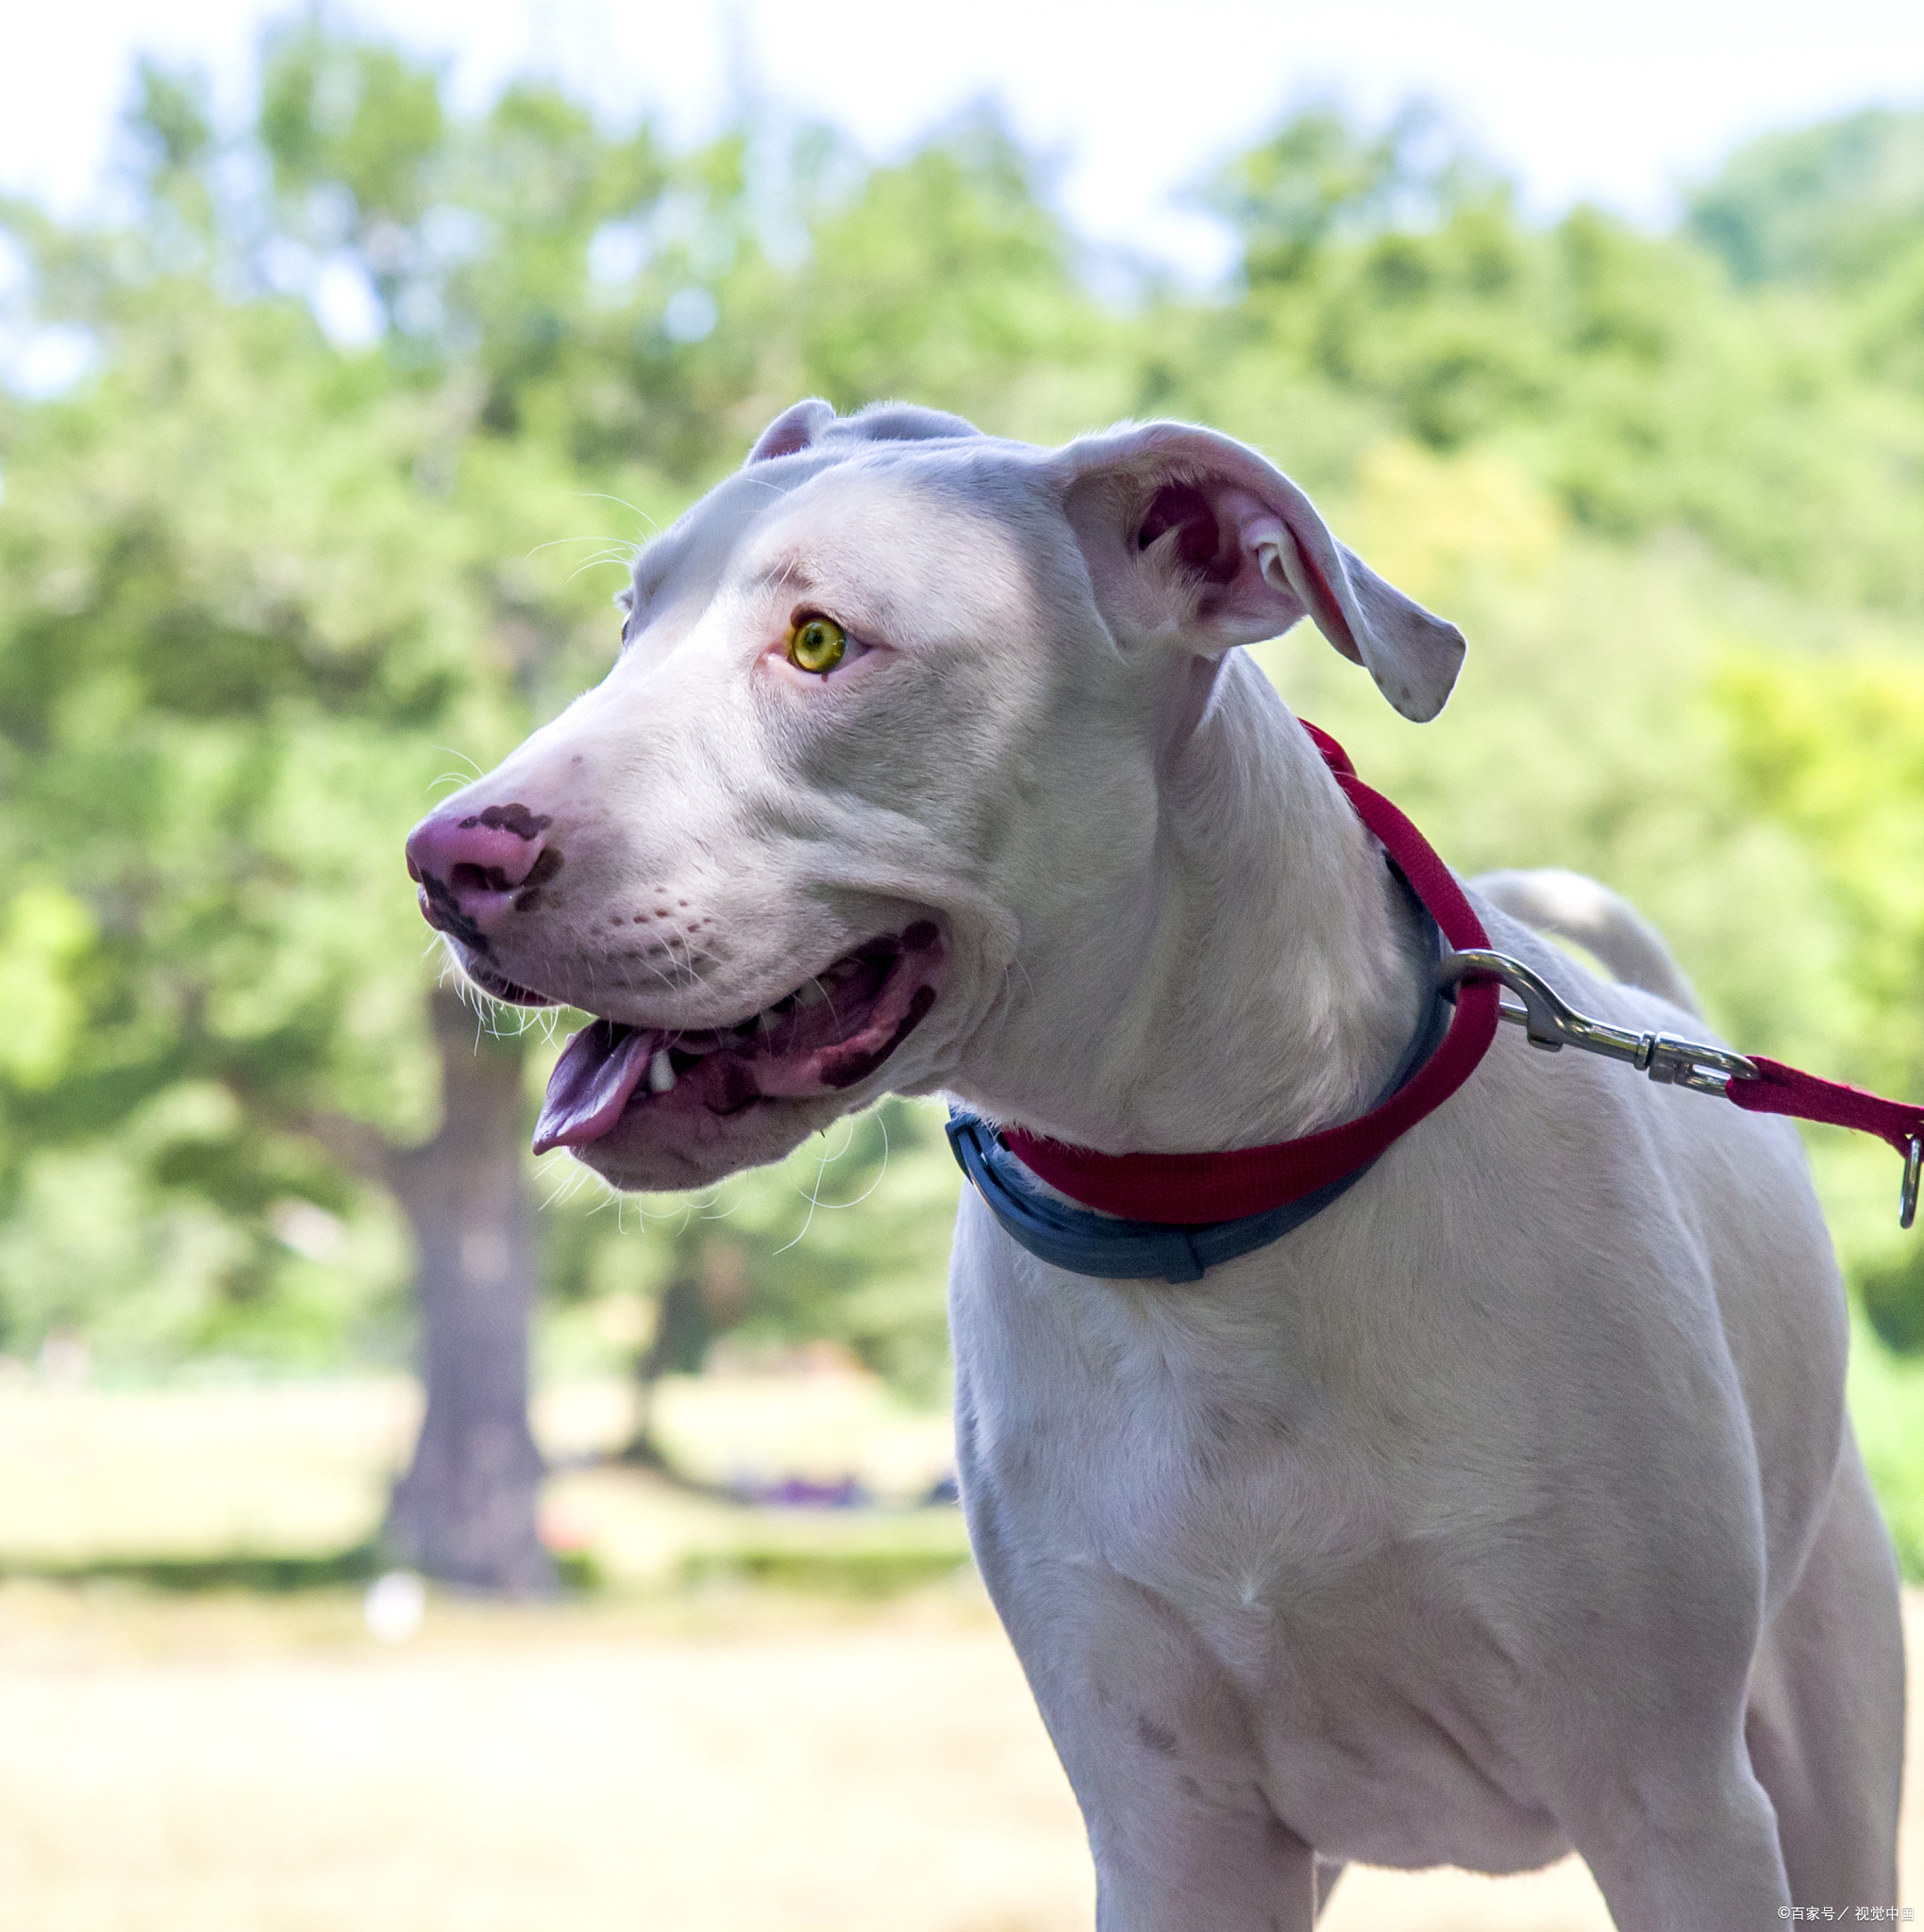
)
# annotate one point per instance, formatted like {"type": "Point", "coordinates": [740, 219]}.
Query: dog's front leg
{"type": "Point", "coordinates": [1216, 1875]}
{"type": "Point", "coordinates": [1175, 1850]}
{"type": "Point", "coordinates": [1158, 1743]}
{"type": "Point", "coordinates": [1704, 1860]}
{"type": "Point", "coordinates": [1158, 1736]}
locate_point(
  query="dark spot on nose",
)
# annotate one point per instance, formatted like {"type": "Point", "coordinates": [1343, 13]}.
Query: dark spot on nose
{"type": "Point", "coordinates": [443, 911]}
{"type": "Point", "coordinates": [515, 818]}
{"type": "Point", "coordinates": [544, 869]}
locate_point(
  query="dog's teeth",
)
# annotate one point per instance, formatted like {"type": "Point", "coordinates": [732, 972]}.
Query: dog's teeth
{"type": "Point", "coordinates": [661, 1072]}
{"type": "Point", "coordinates": [811, 994]}
{"type": "Point", "coordinates": [767, 1019]}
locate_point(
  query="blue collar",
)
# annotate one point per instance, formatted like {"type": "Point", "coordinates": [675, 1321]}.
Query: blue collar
{"type": "Point", "coordinates": [1111, 1249]}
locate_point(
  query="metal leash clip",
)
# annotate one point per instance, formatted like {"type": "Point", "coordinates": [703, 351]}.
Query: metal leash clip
{"type": "Point", "coordinates": [1553, 1024]}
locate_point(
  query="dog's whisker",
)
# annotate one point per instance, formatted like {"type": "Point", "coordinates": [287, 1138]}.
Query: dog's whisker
{"type": "Point", "coordinates": [562, 543]}
{"type": "Point", "coordinates": [462, 756]}
{"type": "Point", "coordinates": [603, 496]}
{"type": "Point", "coordinates": [836, 1207]}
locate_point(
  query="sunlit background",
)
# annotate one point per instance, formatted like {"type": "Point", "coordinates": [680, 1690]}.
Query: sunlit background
{"type": "Point", "coordinates": [343, 357]}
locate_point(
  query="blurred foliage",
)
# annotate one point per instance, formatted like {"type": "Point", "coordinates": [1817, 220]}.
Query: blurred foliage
{"type": "Point", "coordinates": [1887, 1397]}
{"type": "Point", "coordinates": [1841, 204]}
{"type": "Point", "coordinates": [845, 1243]}
{"type": "Point", "coordinates": [374, 396]}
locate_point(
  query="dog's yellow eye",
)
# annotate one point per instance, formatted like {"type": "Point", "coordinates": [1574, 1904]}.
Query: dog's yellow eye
{"type": "Point", "coordinates": [817, 644]}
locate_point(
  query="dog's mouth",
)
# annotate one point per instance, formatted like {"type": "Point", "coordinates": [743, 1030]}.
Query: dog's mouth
{"type": "Point", "coordinates": [830, 1032]}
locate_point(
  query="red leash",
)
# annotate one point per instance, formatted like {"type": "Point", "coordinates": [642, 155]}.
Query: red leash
{"type": "Point", "coordinates": [1779, 1089]}
{"type": "Point", "coordinates": [1182, 1189]}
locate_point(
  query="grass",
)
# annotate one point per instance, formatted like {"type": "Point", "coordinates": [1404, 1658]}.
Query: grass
{"type": "Point", "coordinates": [192, 1472]}
{"type": "Point", "coordinates": [259, 1765]}
{"type": "Point", "coordinates": [279, 1486]}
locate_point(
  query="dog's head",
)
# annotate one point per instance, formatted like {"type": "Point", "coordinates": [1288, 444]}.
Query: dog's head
{"type": "Point", "coordinates": [883, 746]}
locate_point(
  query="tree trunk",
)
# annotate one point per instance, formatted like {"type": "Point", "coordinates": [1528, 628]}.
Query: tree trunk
{"type": "Point", "coordinates": [707, 1293]}
{"type": "Point", "coordinates": [465, 1511]}
{"type": "Point", "coordinates": [680, 1331]}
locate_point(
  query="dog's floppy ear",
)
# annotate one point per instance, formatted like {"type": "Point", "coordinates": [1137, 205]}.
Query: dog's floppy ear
{"type": "Point", "coordinates": [793, 431]}
{"type": "Point", "coordinates": [1189, 532]}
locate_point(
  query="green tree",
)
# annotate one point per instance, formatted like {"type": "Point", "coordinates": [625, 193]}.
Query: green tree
{"type": "Point", "coordinates": [253, 586]}
{"type": "Point", "coordinates": [253, 589]}
{"type": "Point", "coordinates": [1383, 296]}
{"type": "Point", "coordinates": [1833, 748]}
{"type": "Point", "coordinates": [1838, 203]}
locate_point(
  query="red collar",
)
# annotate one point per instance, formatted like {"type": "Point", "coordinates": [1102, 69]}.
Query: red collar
{"type": "Point", "coordinates": [1182, 1189]}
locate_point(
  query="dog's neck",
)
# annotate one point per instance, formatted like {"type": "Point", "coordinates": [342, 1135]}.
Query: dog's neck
{"type": "Point", "coordinates": [1256, 975]}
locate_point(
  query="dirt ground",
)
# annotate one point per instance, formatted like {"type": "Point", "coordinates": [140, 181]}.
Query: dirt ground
{"type": "Point", "coordinates": [241, 1766]}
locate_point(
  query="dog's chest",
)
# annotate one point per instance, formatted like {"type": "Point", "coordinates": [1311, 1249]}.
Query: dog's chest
{"type": "Point", "coordinates": [1210, 1442]}
{"type": "Point", "coordinates": [1236, 1531]}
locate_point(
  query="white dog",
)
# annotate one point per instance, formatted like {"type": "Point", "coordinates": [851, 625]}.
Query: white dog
{"type": "Point", "coordinates": [1507, 1505]}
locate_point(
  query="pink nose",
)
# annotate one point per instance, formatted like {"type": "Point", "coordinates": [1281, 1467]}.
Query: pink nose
{"type": "Point", "coordinates": [472, 869]}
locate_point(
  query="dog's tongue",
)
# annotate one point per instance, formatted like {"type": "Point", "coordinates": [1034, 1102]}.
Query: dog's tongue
{"type": "Point", "coordinates": [591, 1081]}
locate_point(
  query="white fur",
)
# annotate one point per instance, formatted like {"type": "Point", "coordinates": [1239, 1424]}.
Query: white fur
{"type": "Point", "coordinates": [1471, 1522]}
{"type": "Point", "coordinates": [1573, 908]}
